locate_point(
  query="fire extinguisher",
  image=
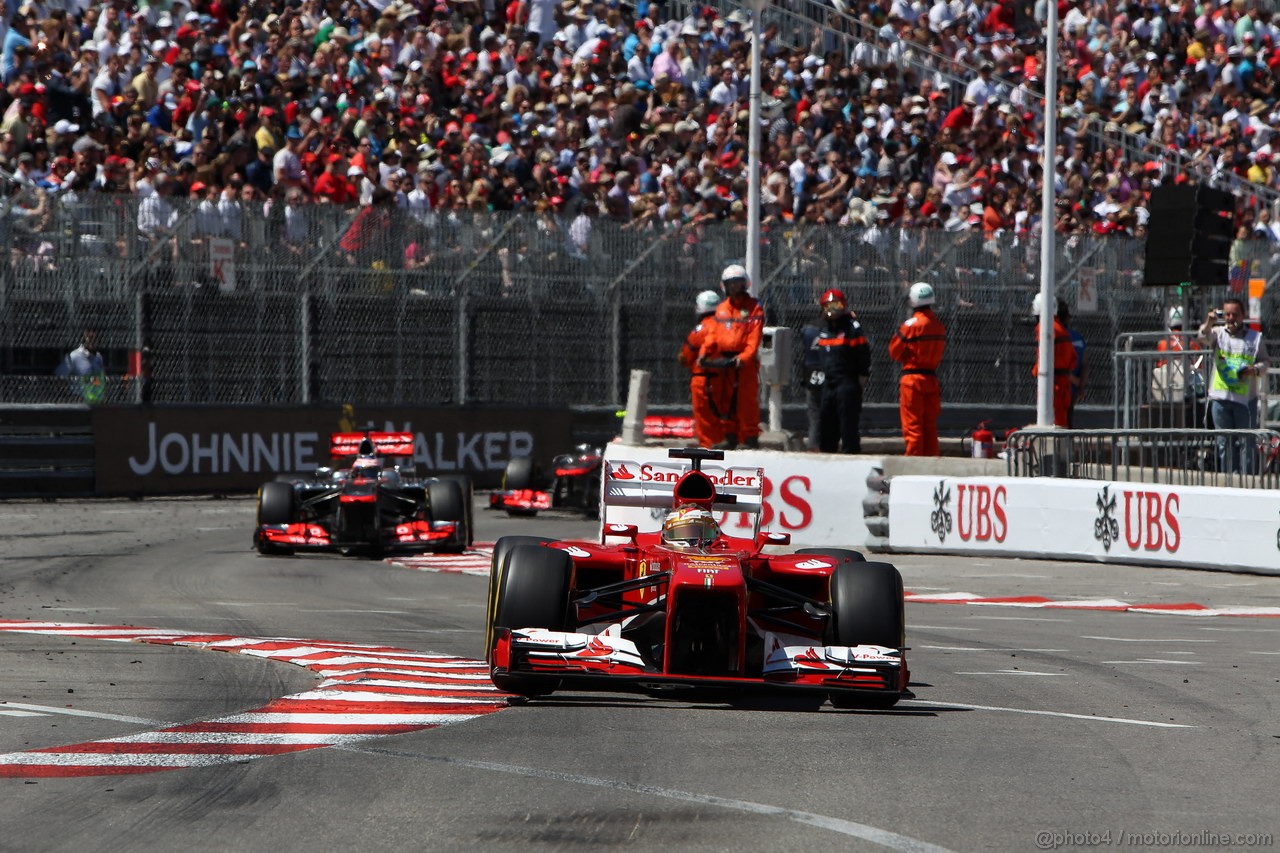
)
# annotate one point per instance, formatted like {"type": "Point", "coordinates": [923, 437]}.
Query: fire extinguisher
{"type": "Point", "coordinates": [984, 442]}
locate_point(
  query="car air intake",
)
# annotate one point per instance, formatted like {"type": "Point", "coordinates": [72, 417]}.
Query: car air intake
{"type": "Point", "coordinates": [704, 636]}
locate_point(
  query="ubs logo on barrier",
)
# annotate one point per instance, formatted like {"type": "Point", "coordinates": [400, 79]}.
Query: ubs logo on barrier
{"type": "Point", "coordinates": [940, 518]}
{"type": "Point", "coordinates": [1151, 521]}
{"type": "Point", "coordinates": [793, 494]}
{"type": "Point", "coordinates": [1105, 527]}
{"type": "Point", "coordinates": [980, 511]}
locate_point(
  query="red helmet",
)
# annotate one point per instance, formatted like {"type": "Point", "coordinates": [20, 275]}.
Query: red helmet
{"type": "Point", "coordinates": [832, 295]}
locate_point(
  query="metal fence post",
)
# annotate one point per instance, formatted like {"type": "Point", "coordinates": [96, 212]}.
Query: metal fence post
{"type": "Point", "coordinates": [615, 345]}
{"type": "Point", "coordinates": [304, 345]}
{"type": "Point", "coordinates": [139, 347]}
{"type": "Point", "coordinates": [464, 337]}
{"type": "Point", "coordinates": [397, 356]}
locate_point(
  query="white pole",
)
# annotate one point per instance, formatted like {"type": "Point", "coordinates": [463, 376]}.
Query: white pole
{"type": "Point", "coordinates": [753, 153]}
{"type": "Point", "coordinates": [1048, 161]}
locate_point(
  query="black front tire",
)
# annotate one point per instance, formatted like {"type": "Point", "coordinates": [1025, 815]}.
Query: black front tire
{"type": "Point", "coordinates": [521, 473]}
{"type": "Point", "coordinates": [501, 550]}
{"type": "Point", "coordinates": [445, 502]}
{"type": "Point", "coordinates": [533, 592]}
{"type": "Point", "coordinates": [866, 610]}
{"type": "Point", "coordinates": [468, 501]}
{"type": "Point", "coordinates": [276, 503]}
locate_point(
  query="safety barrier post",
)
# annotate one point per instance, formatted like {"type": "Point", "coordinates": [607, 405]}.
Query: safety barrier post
{"type": "Point", "coordinates": [637, 408]}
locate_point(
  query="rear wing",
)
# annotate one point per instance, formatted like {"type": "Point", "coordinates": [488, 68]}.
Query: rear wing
{"type": "Point", "coordinates": [652, 485]}
{"type": "Point", "coordinates": [382, 443]}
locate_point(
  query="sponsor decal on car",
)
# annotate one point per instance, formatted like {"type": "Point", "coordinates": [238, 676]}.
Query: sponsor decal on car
{"type": "Point", "coordinates": [813, 564]}
{"type": "Point", "coordinates": [708, 561]}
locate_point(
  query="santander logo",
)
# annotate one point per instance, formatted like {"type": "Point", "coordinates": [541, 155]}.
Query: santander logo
{"type": "Point", "coordinates": [813, 564]}
{"type": "Point", "coordinates": [575, 551]}
{"type": "Point", "coordinates": [648, 473]}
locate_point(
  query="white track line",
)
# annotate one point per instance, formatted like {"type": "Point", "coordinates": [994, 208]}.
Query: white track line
{"type": "Point", "coordinates": [1089, 717]}
{"type": "Point", "coordinates": [73, 712]}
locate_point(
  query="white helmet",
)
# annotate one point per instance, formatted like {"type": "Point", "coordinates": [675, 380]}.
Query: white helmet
{"type": "Point", "coordinates": [1036, 303]}
{"type": "Point", "coordinates": [1175, 317]}
{"type": "Point", "coordinates": [734, 272]}
{"type": "Point", "coordinates": [706, 302]}
{"type": "Point", "coordinates": [920, 294]}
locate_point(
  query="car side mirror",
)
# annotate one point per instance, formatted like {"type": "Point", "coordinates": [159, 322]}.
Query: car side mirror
{"type": "Point", "coordinates": [767, 538]}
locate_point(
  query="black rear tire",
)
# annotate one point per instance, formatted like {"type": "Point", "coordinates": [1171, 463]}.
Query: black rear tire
{"type": "Point", "coordinates": [866, 609]}
{"type": "Point", "coordinates": [533, 592]}
{"type": "Point", "coordinates": [445, 502]}
{"type": "Point", "coordinates": [837, 553]}
{"type": "Point", "coordinates": [501, 550]}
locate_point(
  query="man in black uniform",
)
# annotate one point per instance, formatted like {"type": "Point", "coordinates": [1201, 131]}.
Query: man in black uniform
{"type": "Point", "coordinates": [843, 361]}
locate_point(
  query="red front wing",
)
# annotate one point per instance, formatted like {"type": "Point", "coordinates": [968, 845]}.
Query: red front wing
{"type": "Point", "coordinates": [522, 500]}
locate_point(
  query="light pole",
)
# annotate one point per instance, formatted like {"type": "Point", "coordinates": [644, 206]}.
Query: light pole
{"type": "Point", "coordinates": [753, 146]}
{"type": "Point", "coordinates": [1048, 166]}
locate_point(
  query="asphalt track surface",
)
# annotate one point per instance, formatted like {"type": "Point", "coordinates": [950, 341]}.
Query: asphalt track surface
{"type": "Point", "coordinates": [1032, 728]}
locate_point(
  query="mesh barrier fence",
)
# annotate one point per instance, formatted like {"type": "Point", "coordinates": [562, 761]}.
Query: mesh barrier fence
{"type": "Point", "coordinates": [321, 304]}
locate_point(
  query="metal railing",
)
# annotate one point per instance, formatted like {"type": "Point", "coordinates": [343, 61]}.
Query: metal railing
{"type": "Point", "coordinates": [511, 308]}
{"type": "Point", "coordinates": [1247, 459]}
{"type": "Point", "coordinates": [1160, 389]}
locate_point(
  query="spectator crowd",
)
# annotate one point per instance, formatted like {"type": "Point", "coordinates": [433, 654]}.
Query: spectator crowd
{"type": "Point", "coordinates": [634, 113]}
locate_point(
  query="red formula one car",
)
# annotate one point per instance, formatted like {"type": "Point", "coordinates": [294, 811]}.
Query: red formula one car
{"type": "Point", "coordinates": [689, 606]}
{"type": "Point", "coordinates": [574, 484]}
{"type": "Point", "coordinates": [369, 505]}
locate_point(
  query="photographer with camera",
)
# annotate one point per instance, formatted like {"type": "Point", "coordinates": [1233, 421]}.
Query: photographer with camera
{"type": "Point", "coordinates": [1239, 359]}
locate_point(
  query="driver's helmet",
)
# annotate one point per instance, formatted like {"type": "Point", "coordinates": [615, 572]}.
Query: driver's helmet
{"type": "Point", "coordinates": [690, 527]}
{"type": "Point", "coordinates": [365, 470]}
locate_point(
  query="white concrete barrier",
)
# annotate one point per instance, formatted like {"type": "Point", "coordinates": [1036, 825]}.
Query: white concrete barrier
{"type": "Point", "coordinates": [817, 498]}
{"type": "Point", "coordinates": [1194, 526]}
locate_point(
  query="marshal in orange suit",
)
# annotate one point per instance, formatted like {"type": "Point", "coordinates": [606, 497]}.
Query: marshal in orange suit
{"type": "Point", "coordinates": [1064, 362]}
{"type": "Point", "coordinates": [706, 385]}
{"type": "Point", "coordinates": [733, 344]}
{"type": "Point", "coordinates": [918, 347]}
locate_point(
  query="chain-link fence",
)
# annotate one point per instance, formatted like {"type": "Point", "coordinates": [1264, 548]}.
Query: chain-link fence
{"type": "Point", "coordinates": [319, 304]}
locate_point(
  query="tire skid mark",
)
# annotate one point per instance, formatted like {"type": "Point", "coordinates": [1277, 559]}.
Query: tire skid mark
{"type": "Point", "coordinates": [366, 691]}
